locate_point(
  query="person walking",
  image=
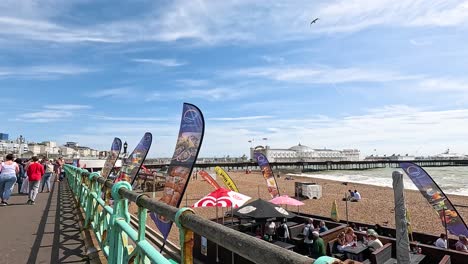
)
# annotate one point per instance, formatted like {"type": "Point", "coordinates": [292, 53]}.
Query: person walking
{"type": "Point", "coordinates": [21, 175]}
{"type": "Point", "coordinates": [35, 172]}
{"type": "Point", "coordinates": [49, 169]}
{"type": "Point", "coordinates": [8, 171]}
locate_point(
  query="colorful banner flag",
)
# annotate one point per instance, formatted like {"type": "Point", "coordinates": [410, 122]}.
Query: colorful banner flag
{"type": "Point", "coordinates": [132, 164]}
{"type": "Point", "coordinates": [188, 145]}
{"type": "Point", "coordinates": [334, 212]}
{"type": "Point", "coordinates": [112, 158]}
{"type": "Point", "coordinates": [436, 197]}
{"type": "Point", "coordinates": [207, 177]}
{"type": "Point", "coordinates": [226, 179]}
{"type": "Point", "coordinates": [267, 174]}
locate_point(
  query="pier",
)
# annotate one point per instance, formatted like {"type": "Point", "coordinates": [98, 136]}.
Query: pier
{"type": "Point", "coordinates": [318, 165]}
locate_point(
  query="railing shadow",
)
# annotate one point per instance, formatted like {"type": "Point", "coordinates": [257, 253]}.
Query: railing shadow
{"type": "Point", "coordinates": [68, 244]}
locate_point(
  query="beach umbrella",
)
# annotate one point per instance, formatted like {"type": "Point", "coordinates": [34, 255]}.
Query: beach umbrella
{"type": "Point", "coordinates": [261, 209]}
{"type": "Point", "coordinates": [334, 212]}
{"type": "Point", "coordinates": [222, 197]}
{"type": "Point", "coordinates": [286, 200]}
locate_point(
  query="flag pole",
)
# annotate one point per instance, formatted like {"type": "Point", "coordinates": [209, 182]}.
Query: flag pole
{"type": "Point", "coordinates": [347, 218]}
{"type": "Point", "coordinates": [445, 226]}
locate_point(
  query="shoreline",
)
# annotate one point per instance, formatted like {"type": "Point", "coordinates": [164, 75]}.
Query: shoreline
{"type": "Point", "coordinates": [312, 176]}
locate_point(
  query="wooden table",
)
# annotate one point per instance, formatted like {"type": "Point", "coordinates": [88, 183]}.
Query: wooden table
{"type": "Point", "coordinates": [355, 253]}
{"type": "Point", "coordinates": [284, 245]}
{"type": "Point", "coordinates": [414, 259]}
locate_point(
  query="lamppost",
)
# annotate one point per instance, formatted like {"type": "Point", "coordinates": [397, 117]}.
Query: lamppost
{"type": "Point", "coordinates": [125, 145]}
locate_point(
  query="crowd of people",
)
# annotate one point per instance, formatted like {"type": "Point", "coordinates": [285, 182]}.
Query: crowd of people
{"type": "Point", "coordinates": [28, 175]}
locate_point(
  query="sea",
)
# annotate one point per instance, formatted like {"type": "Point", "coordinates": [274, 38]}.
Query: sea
{"type": "Point", "coordinates": [452, 180]}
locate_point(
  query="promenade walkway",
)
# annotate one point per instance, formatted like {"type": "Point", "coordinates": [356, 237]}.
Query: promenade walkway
{"type": "Point", "coordinates": [47, 232]}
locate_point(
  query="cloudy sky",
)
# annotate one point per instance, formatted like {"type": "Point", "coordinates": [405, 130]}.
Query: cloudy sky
{"type": "Point", "coordinates": [382, 76]}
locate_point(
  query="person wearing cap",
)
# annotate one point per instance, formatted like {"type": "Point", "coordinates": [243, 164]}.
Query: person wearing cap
{"type": "Point", "coordinates": [318, 247]}
{"type": "Point", "coordinates": [462, 244]}
{"type": "Point", "coordinates": [374, 243]}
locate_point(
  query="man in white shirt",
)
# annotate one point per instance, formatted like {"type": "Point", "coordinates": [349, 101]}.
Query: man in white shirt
{"type": "Point", "coordinates": [374, 243]}
{"type": "Point", "coordinates": [357, 196]}
{"type": "Point", "coordinates": [441, 242]}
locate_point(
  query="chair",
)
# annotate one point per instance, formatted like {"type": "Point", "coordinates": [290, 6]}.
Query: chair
{"type": "Point", "coordinates": [382, 254]}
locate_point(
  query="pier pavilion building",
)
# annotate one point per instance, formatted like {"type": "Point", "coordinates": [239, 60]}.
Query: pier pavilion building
{"type": "Point", "coordinates": [301, 153]}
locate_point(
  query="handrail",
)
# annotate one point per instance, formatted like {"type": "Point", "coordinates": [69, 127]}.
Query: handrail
{"type": "Point", "coordinates": [112, 229]}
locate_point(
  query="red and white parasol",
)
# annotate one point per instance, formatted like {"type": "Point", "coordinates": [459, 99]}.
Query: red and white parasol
{"type": "Point", "coordinates": [222, 197]}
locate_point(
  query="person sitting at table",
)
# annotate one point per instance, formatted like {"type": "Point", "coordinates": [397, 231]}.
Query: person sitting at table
{"type": "Point", "coordinates": [318, 247]}
{"type": "Point", "coordinates": [340, 243]}
{"type": "Point", "coordinates": [441, 242]}
{"type": "Point", "coordinates": [349, 235]}
{"type": "Point", "coordinates": [323, 227]}
{"type": "Point", "coordinates": [461, 244]}
{"type": "Point", "coordinates": [308, 228]}
{"type": "Point", "coordinates": [374, 243]}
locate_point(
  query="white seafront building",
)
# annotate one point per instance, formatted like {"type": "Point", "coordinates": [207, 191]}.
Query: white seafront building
{"type": "Point", "coordinates": [301, 153]}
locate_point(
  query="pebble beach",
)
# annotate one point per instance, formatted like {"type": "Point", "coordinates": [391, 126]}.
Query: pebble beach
{"type": "Point", "coordinates": [376, 206]}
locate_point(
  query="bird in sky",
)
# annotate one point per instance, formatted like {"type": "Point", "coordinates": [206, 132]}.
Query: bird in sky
{"type": "Point", "coordinates": [314, 21]}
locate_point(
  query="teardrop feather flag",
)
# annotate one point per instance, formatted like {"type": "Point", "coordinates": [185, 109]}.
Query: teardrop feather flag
{"type": "Point", "coordinates": [436, 197]}
{"type": "Point", "coordinates": [267, 174]}
{"type": "Point", "coordinates": [192, 128]}
{"type": "Point", "coordinates": [226, 179]}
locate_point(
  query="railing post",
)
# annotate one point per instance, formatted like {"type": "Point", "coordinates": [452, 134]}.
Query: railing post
{"type": "Point", "coordinates": [117, 237]}
{"type": "Point", "coordinates": [89, 210]}
{"type": "Point", "coordinates": [185, 237]}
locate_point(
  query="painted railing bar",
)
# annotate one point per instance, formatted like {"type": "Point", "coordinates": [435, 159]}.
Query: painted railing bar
{"type": "Point", "coordinates": [157, 240]}
{"type": "Point", "coordinates": [144, 245]}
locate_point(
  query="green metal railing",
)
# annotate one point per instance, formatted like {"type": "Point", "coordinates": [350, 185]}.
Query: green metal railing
{"type": "Point", "coordinates": [111, 225]}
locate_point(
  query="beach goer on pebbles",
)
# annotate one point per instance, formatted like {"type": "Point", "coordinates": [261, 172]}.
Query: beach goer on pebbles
{"type": "Point", "coordinates": [8, 169]}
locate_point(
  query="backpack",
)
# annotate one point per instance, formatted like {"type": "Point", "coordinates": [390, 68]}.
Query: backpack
{"type": "Point", "coordinates": [281, 230]}
{"type": "Point", "coordinates": [309, 234]}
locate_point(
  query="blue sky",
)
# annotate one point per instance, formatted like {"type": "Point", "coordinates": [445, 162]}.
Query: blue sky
{"type": "Point", "coordinates": [378, 75]}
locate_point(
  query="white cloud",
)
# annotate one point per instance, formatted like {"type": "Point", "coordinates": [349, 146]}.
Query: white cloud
{"type": "Point", "coordinates": [43, 71]}
{"type": "Point", "coordinates": [44, 116]}
{"type": "Point", "coordinates": [239, 118]}
{"type": "Point", "coordinates": [212, 22]}
{"type": "Point", "coordinates": [112, 93]}
{"type": "Point", "coordinates": [162, 62]}
{"type": "Point", "coordinates": [444, 85]}
{"type": "Point", "coordinates": [128, 118]}
{"type": "Point", "coordinates": [308, 74]}
{"type": "Point", "coordinates": [68, 107]}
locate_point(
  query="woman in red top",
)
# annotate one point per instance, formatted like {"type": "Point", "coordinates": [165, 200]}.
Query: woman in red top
{"type": "Point", "coordinates": [35, 172]}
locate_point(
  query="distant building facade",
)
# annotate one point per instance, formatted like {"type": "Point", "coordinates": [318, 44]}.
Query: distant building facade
{"type": "Point", "coordinates": [3, 136]}
{"type": "Point", "coordinates": [301, 153]}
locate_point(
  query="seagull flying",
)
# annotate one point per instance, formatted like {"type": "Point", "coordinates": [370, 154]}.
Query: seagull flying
{"type": "Point", "coordinates": [314, 21]}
